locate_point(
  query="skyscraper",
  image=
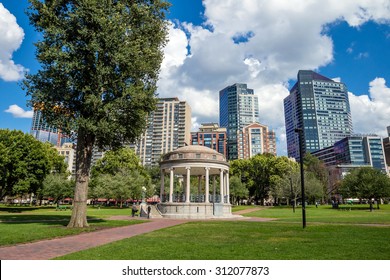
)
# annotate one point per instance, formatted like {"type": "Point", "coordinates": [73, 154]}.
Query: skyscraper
{"type": "Point", "coordinates": [45, 133]}
{"type": "Point", "coordinates": [238, 107]}
{"type": "Point", "coordinates": [169, 127]}
{"type": "Point", "coordinates": [319, 106]}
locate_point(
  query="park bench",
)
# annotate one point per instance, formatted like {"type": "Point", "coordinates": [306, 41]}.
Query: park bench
{"type": "Point", "coordinates": [61, 207]}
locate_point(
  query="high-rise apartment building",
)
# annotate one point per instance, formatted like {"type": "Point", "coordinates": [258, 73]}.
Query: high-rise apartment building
{"type": "Point", "coordinates": [212, 136]}
{"type": "Point", "coordinates": [256, 139]}
{"type": "Point", "coordinates": [238, 107]}
{"type": "Point", "coordinates": [169, 128]}
{"type": "Point", "coordinates": [319, 106]}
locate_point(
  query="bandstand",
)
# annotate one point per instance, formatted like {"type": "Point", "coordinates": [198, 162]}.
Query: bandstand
{"type": "Point", "coordinates": [209, 199]}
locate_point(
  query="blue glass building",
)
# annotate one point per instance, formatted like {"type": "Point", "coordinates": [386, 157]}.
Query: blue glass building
{"type": "Point", "coordinates": [319, 106]}
{"type": "Point", "coordinates": [355, 151]}
{"type": "Point", "coordinates": [238, 107]}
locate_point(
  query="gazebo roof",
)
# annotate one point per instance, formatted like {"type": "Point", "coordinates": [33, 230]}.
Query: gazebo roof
{"type": "Point", "coordinates": [194, 152]}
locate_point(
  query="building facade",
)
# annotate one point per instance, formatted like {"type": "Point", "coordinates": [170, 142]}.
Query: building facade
{"type": "Point", "coordinates": [320, 106]}
{"type": "Point", "coordinates": [45, 133]}
{"type": "Point", "coordinates": [67, 150]}
{"type": "Point", "coordinates": [238, 107]}
{"type": "Point", "coordinates": [355, 151]}
{"type": "Point", "coordinates": [256, 139]}
{"type": "Point", "coordinates": [386, 146]}
{"type": "Point", "coordinates": [212, 136]}
{"type": "Point", "coordinates": [169, 128]}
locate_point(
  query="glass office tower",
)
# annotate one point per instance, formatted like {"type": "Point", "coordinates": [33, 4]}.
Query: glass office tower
{"type": "Point", "coordinates": [238, 107]}
{"type": "Point", "coordinates": [319, 106]}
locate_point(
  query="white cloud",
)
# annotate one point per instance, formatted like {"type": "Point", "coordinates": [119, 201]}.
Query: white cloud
{"type": "Point", "coordinates": [11, 35]}
{"type": "Point", "coordinates": [278, 38]}
{"type": "Point", "coordinates": [18, 112]}
{"type": "Point", "coordinates": [370, 113]}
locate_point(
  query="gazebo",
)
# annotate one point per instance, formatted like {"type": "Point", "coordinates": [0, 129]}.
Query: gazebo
{"type": "Point", "coordinates": [208, 199]}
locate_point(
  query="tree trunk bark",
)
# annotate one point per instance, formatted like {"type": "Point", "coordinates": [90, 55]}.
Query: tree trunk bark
{"type": "Point", "coordinates": [84, 148]}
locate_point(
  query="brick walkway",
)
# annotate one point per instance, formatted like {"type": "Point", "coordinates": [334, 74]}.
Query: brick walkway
{"type": "Point", "coordinates": [48, 249]}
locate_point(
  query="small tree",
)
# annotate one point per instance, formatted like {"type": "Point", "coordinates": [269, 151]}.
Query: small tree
{"type": "Point", "coordinates": [57, 186]}
{"type": "Point", "coordinates": [238, 190]}
{"type": "Point", "coordinates": [366, 183]}
{"type": "Point", "coordinates": [100, 63]}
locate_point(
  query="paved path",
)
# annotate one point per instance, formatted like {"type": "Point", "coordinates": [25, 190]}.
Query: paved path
{"type": "Point", "coordinates": [48, 249]}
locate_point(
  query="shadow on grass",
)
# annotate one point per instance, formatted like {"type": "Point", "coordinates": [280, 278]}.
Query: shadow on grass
{"type": "Point", "coordinates": [43, 219]}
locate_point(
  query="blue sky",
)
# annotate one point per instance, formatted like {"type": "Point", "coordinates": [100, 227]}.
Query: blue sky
{"type": "Point", "coordinates": [215, 43]}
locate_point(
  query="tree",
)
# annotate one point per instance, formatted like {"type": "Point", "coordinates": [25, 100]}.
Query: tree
{"type": "Point", "coordinates": [366, 182]}
{"type": "Point", "coordinates": [25, 162]}
{"type": "Point", "coordinates": [318, 169]}
{"type": "Point", "coordinates": [57, 186]}
{"type": "Point", "coordinates": [118, 159]}
{"type": "Point", "coordinates": [238, 190]}
{"type": "Point", "coordinates": [100, 63]}
{"type": "Point", "coordinates": [263, 172]}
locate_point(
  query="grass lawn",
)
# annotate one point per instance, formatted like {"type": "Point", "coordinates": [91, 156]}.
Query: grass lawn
{"type": "Point", "coordinates": [27, 224]}
{"type": "Point", "coordinates": [330, 234]}
{"type": "Point", "coordinates": [248, 241]}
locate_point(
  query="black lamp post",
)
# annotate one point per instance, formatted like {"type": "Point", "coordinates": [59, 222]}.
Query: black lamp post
{"type": "Point", "coordinates": [300, 133]}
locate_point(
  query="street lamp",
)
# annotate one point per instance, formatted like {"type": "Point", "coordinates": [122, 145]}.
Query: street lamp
{"type": "Point", "coordinates": [300, 133]}
{"type": "Point", "coordinates": [143, 194]}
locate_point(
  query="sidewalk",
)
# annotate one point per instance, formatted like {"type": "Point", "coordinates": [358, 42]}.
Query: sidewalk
{"type": "Point", "coordinates": [48, 249]}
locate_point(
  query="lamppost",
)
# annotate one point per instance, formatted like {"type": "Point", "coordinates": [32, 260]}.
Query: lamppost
{"type": "Point", "coordinates": [300, 133]}
{"type": "Point", "coordinates": [143, 195]}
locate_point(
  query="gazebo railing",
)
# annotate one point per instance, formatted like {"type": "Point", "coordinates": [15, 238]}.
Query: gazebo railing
{"type": "Point", "coordinates": [194, 198]}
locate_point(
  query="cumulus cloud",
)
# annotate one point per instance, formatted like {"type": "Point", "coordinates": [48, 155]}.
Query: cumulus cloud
{"type": "Point", "coordinates": [18, 112]}
{"type": "Point", "coordinates": [11, 35]}
{"type": "Point", "coordinates": [372, 106]}
{"type": "Point", "coordinates": [262, 43]}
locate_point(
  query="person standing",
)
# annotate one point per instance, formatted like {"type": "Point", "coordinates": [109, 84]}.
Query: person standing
{"type": "Point", "coordinates": [133, 210]}
{"type": "Point", "coordinates": [149, 209]}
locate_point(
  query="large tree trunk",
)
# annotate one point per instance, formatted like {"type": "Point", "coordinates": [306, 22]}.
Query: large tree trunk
{"type": "Point", "coordinates": [85, 144]}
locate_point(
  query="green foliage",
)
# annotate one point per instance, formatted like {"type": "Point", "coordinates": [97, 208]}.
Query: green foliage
{"type": "Point", "coordinates": [365, 182]}
{"type": "Point", "coordinates": [100, 64]}
{"type": "Point", "coordinates": [25, 162]}
{"type": "Point", "coordinates": [238, 190]}
{"type": "Point", "coordinates": [264, 172]}
{"type": "Point", "coordinates": [57, 186]}
{"type": "Point", "coordinates": [123, 185]}
{"type": "Point", "coordinates": [317, 167]}
{"type": "Point", "coordinates": [115, 160]}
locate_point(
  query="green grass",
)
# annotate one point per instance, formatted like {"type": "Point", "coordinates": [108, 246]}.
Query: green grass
{"type": "Point", "coordinates": [330, 234]}
{"type": "Point", "coordinates": [31, 224]}
{"type": "Point", "coordinates": [359, 214]}
{"type": "Point", "coordinates": [247, 240]}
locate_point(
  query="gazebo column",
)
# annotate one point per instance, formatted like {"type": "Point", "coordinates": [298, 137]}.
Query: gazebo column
{"type": "Point", "coordinates": [227, 187]}
{"type": "Point", "coordinates": [171, 178]}
{"type": "Point", "coordinates": [188, 177]}
{"type": "Point", "coordinates": [162, 187]}
{"type": "Point", "coordinates": [207, 185]}
{"type": "Point", "coordinates": [221, 185]}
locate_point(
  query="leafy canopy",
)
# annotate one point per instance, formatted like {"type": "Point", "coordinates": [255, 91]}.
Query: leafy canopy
{"type": "Point", "coordinates": [25, 162]}
{"type": "Point", "coordinates": [100, 63]}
